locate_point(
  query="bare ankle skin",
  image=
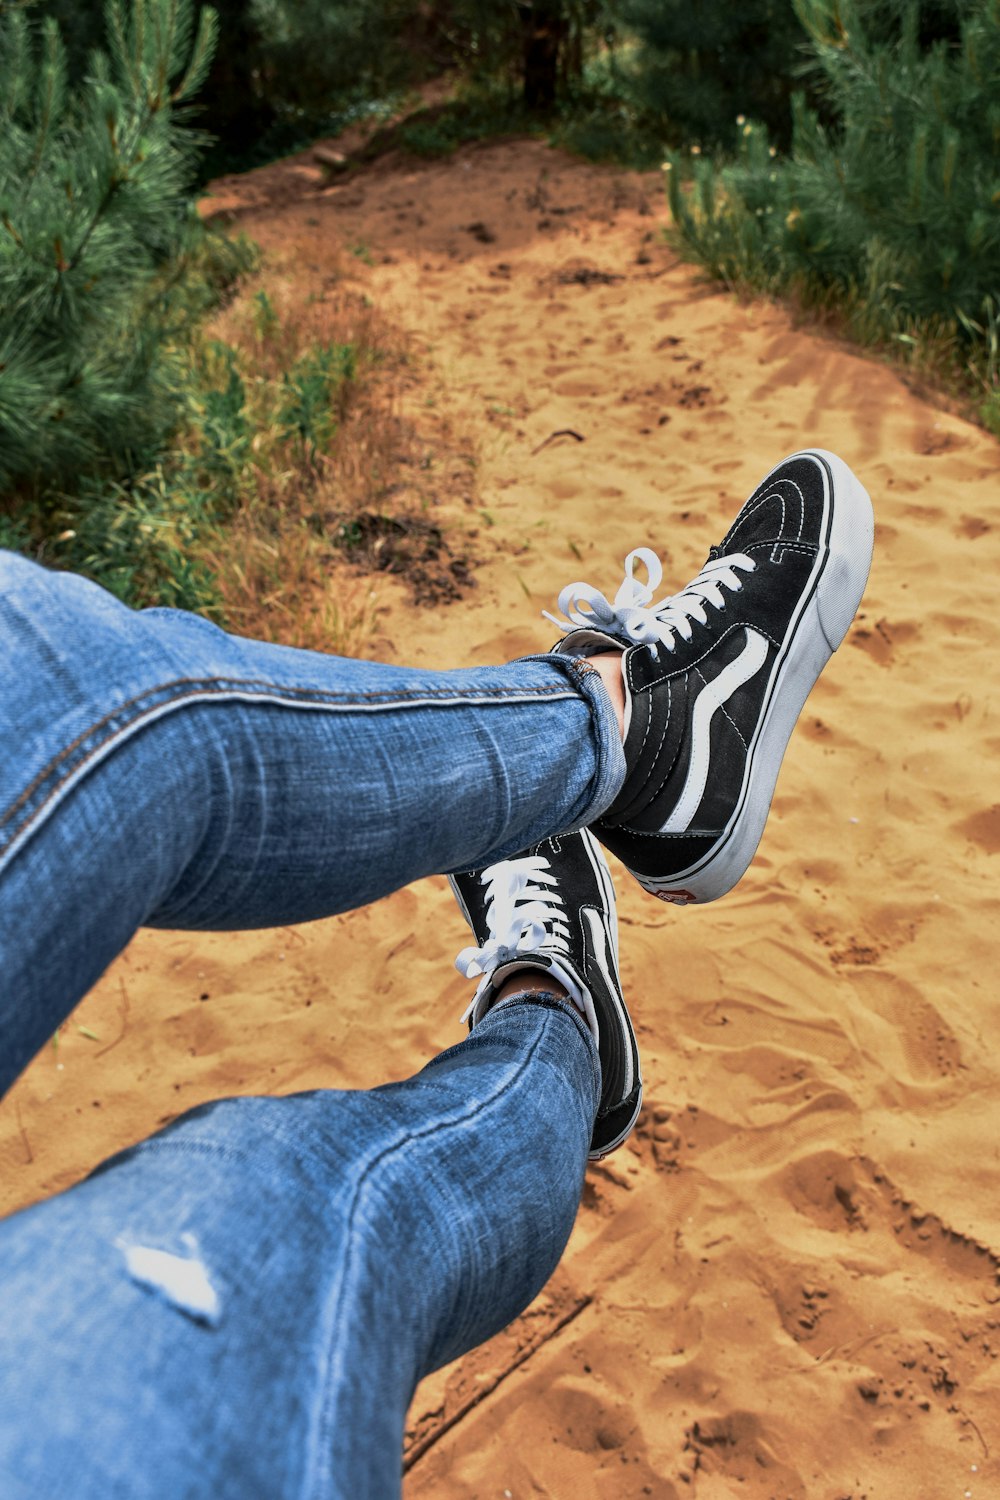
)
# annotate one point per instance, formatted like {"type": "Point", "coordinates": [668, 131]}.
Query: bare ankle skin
{"type": "Point", "coordinates": [533, 981]}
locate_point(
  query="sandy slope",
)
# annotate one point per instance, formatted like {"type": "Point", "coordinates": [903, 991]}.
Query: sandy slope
{"type": "Point", "coordinates": [787, 1284]}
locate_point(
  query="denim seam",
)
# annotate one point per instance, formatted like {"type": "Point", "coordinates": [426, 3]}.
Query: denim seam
{"type": "Point", "coordinates": [318, 1477]}
{"type": "Point", "coordinates": [235, 691]}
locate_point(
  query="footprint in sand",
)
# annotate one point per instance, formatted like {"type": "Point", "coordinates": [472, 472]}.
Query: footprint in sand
{"type": "Point", "coordinates": [972, 527]}
{"type": "Point", "coordinates": [656, 1125]}
{"type": "Point", "coordinates": [933, 444]}
{"type": "Point", "coordinates": [919, 1046]}
{"type": "Point", "coordinates": [881, 639]}
{"type": "Point", "coordinates": [834, 1191]}
{"type": "Point", "coordinates": [738, 1445]}
{"type": "Point", "coordinates": [801, 1308]}
{"type": "Point", "coordinates": [982, 828]}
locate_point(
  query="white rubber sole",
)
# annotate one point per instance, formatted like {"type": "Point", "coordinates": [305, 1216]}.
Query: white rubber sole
{"type": "Point", "coordinates": [824, 614]}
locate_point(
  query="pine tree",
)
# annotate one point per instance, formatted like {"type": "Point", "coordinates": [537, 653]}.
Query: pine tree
{"type": "Point", "coordinates": [914, 168]}
{"type": "Point", "coordinates": [538, 44]}
{"type": "Point", "coordinates": [704, 62]}
{"type": "Point", "coordinates": [93, 203]}
{"type": "Point", "coordinates": [896, 203]}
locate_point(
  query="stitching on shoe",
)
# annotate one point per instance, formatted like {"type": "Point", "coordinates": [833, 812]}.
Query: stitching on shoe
{"type": "Point", "coordinates": [669, 771]}
{"type": "Point", "coordinates": [724, 711]}
{"type": "Point", "coordinates": [690, 667]}
{"type": "Point", "coordinates": [623, 1032]}
{"type": "Point", "coordinates": [750, 509]}
{"type": "Point", "coordinates": [687, 833]}
{"type": "Point", "coordinates": [778, 544]}
{"type": "Point", "coordinates": [806, 549]}
{"type": "Point", "coordinates": [649, 723]}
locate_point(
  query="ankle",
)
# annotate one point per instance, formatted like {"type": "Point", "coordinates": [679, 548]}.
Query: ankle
{"type": "Point", "coordinates": [528, 982]}
{"type": "Point", "coordinates": [609, 665]}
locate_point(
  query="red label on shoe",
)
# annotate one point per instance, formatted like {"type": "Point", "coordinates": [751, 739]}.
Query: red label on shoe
{"type": "Point", "coordinates": [678, 898]}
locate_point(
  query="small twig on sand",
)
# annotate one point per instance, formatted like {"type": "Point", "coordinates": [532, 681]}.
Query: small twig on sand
{"type": "Point", "coordinates": [403, 943]}
{"type": "Point", "coordinates": [561, 432]}
{"type": "Point", "coordinates": [123, 1010]}
{"type": "Point", "coordinates": [29, 1155]}
{"type": "Point", "coordinates": [420, 1448]}
{"type": "Point", "coordinates": [334, 162]}
{"type": "Point", "coordinates": [964, 1415]}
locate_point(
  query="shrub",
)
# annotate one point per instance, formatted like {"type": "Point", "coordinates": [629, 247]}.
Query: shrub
{"type": "Point", "coordinates": [894, 212]}
{"type": "Point", "coordinates": [703, 63]}
{"type": "Point", "coordinates": [93, 208]}
{"type": "Point", "coordinates": [256, 427]}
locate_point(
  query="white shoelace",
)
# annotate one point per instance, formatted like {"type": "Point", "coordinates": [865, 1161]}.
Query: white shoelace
{"type": "Point", "coordinates": [525, 916]}
{"type": "Point", "coordinates": [632, 616]}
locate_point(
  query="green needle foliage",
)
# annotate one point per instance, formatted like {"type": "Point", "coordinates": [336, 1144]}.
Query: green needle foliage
{"type": "Point", "coordinates": [894, 211]}
{"type": "Point", "coordinates": [258, 425]}
{"type": "Point", "coordinates": [703, 63]}
{"type": "Point", "coordinates": [94, 206]}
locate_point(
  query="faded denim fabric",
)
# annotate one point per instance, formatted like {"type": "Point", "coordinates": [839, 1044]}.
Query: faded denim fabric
{"type": "Point", "coordinates": [156, 771]}
{"type": "Point", "coordinates": [242, 1305]}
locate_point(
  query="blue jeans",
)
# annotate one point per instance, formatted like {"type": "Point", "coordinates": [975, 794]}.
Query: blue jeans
{"type": "Point", "coordinates": [242, 1305]}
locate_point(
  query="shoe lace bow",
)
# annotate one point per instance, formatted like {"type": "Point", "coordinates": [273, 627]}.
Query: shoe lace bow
{"type": "Point", "coordinates": [524, 915]}
{"type": "Point", "coordinates": [633, 618]}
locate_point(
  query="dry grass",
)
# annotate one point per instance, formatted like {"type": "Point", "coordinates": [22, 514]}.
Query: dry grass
{"type": "Point", "coordinates": [315, 520]}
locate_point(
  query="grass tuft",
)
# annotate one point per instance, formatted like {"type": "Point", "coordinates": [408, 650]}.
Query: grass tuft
{"type": "Point", "coordinates": [292, 472]}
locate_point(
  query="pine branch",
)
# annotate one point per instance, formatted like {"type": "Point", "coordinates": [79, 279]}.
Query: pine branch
{"type": "Point", "coordinates": [118, 40]}
{"type": "Point", "coordinates": [201, 56]}
{"type": "Point", "coordinates": [51, 97]}
{"type": "Point", "coordinates": [163, 30]}
{"type": "Point", "coordinates": [16, 63]}
{"type": "Point", "coordinates": [138, 39]}
{"type": "Point", "coordinates": [116, 182]}
{"type": "Point", "coordinates": [87, 321]}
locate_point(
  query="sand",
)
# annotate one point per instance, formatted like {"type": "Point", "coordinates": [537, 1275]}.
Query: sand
{"type": "Point", "coordinates": [786, 1284]}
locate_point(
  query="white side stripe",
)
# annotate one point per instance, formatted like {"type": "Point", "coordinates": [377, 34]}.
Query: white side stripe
{"type": "Point", "coordinates": [710, 699]}
{"type": "Point", "coordinates": [599, 941]}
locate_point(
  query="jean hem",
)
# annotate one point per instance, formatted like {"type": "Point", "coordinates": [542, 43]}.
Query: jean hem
{"type": "Point", "coordinates": [608, 748]}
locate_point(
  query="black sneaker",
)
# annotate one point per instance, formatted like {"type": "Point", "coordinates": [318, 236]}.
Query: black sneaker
{"type": "Point", "coordinates": [716, 676]}
{"type": "Point", "coordinates": [553, 909]}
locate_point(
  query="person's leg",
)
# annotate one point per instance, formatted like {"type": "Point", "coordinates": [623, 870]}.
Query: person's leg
{"type": "Point", "coordinates": [443, 1223]}
{"type": "Point", "coordinates": [155, 770]}
{"type": "Point", "coordinates": [243, 1305]}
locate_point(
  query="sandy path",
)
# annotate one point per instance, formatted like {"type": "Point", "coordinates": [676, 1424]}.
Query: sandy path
{"type": "Point", "coordinates": [786, 1285]}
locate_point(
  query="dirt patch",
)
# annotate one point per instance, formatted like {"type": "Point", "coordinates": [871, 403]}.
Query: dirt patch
{"type": "Point", "coordinates": [411, 547]}
{"type": "Point", "coordinates": [587, 276]}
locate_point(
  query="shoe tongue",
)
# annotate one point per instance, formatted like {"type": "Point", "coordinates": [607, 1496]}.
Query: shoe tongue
{"type": "Point", "coordinates": [539, 963]}
{"type": "Point", "coordinates": [586, 642]}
